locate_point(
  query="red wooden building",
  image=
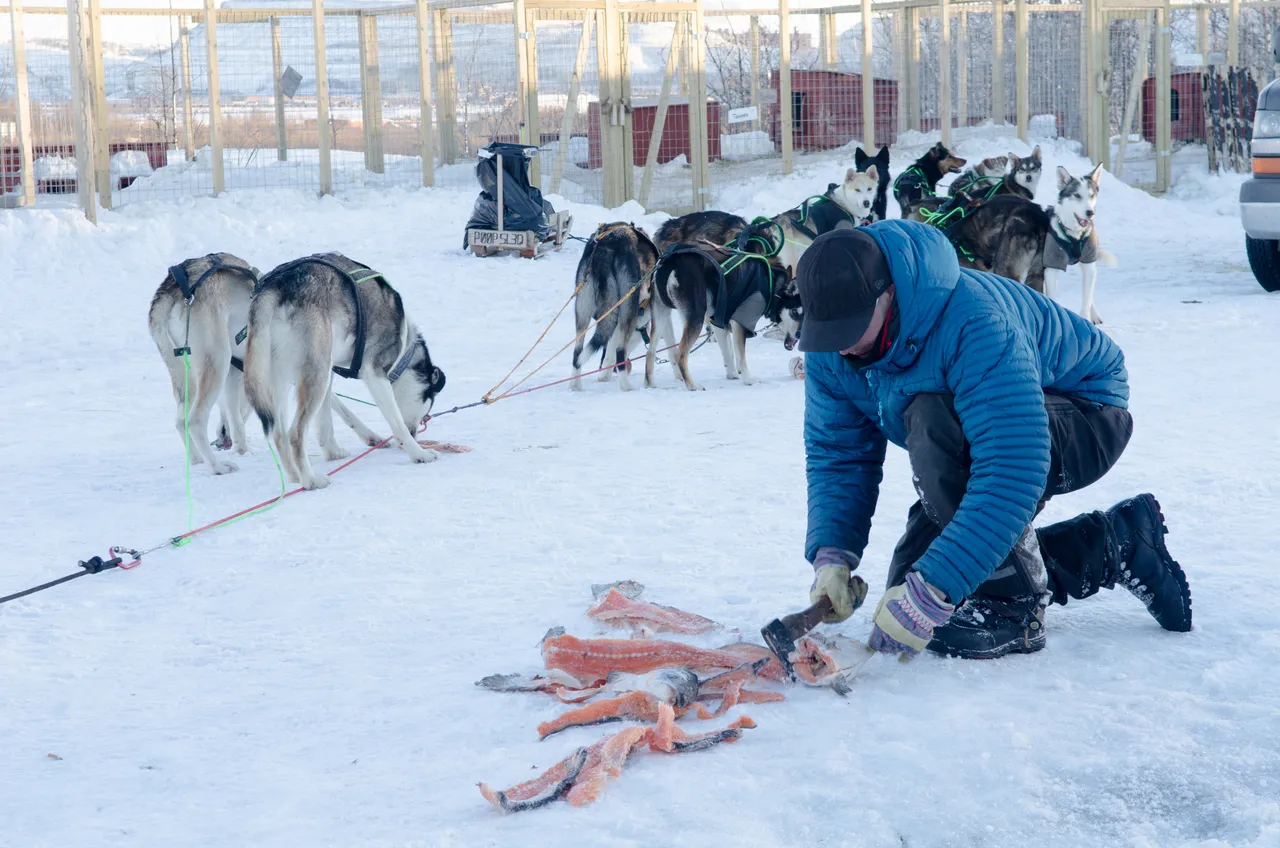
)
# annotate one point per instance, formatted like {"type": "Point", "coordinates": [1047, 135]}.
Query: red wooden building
{"type": "Point", "coordinates": [675, 131]}
{"type": "Point", "coordinates": [1186, 108]}
{"type": "Point", "coordinates": [826, 110]}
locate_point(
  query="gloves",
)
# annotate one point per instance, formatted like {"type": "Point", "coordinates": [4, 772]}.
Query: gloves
{"type": "Point", "coordinates": [832, 580]}
{"type": "Point", "coordinates": [906, 617]}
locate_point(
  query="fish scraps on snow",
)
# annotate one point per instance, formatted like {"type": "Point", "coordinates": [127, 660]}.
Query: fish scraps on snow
{"type": "Point", "coordinates": [620, 610]}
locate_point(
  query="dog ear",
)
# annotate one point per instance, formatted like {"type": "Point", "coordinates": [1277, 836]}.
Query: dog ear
{"type": "Point", "coordinates": [1064, 177]}
{"type": "Point", "coordinates": [883, 155]}
{"type": "Point", "coordinates": [1095, 176]}
{"type": "Point", "coordinates": [1035, 154]}
{"type": "Point", "coordinates": [437, 380]}
{"type": "Point", "coordinates": [873, 173]}
{"type": "Point", "coordinates": [1014, 161]}
{"type": "Point", "coordinates": [850, 175]}
{"type": "Point", "coordinates": [859, 156]}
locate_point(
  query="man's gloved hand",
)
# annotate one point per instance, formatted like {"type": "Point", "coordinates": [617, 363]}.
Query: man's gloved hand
{"type": "Point", "coordinates": [907, 614]}
{"type": "Point", "coordinates": [831, 579]}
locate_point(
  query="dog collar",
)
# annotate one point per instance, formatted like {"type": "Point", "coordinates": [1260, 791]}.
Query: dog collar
{"type": "Point", "coordinates": [405, 358]}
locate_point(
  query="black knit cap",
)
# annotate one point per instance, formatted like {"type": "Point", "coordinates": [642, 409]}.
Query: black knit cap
{"type": "Point", "coordinates": [840, 277]}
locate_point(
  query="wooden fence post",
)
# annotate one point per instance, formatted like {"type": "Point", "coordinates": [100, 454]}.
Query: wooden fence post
{"type": "Point", "coordinates": [571, 102]}
{"type": "Point", "coordinates": [612, 124]}
{"type": "Point", "coordinates": [698, 124]}
{"type": "Point", "coordinates": [786, 109]}
{"type": "Point", "coordinates": [944, 70]}
{"type": "Point", "coordinates": [445, 83]}
{"type": "Point", "coordinates": [912, 15]}
{"type": "Point", "coordinates": [962, 69]}
{"type": "Point", "coordinates": [80, 46]}
{"type": "Point", "coordinates": [277, 68]}
{"type": "Point", "coordinates": [533, 120]}
{"type": "Point", "coordinates": [660, 118]}
{"type": "Point", "coordinates": [755, 70]}
{"type": "Point", "coordinates": [828, 45]}
{"type": "Point", "coordinates": [999, 112]}
{"type": "Point", "coordinates": [215, 94]}
{"type": "Point", "coordinates": [188, 118]}
{"type": "Point", "coordinates": [1022, 76]}
{"type": "Point", "coordinates": [1135, 90]}
{"type": "Point", "coordinates": [102, 142]}
{"type": "Point", "coordinates": [1233, 33]}
{"type": "Point", "coordinates": [1164, 129]}
{"type": "Point", "coordinates": [1202, 33]}
{"type": "Point", "coordinates": [868, 79]}
{"type": "Point", "coordinates": [21, 94]}
{"type": "Point", "coordinates": [370, 92]}
{"type": "Point", "coordinates": [426, 135]}
{"type": "Point", "coordinates": [322, 99]}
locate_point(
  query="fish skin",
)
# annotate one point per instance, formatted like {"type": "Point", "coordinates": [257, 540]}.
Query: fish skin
{"type": "Point", "coordinates": [669, 739]}
{"type": "Point", "coordinates": [629, 588]}
{"type": "Point", "coordinates": [549, 786]}
{"type": "Point", "coordinates": [618, 610]}
{"type": "Point", "coordinates": [585, 658]}
{"type": "Point", "coordinates": [641, 706]}
{"type": "Point", "coordinates": [604, 762]}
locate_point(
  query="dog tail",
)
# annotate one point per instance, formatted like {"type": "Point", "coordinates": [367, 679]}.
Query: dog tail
{"type": "Point", "coordinates": [1105, 258]}
{"type": "Point", "coordinates": [158, 323]}
{"type": "Point", "coordinates": [607, 324]}
{"type": "Point", "coordinates": [257, 361]}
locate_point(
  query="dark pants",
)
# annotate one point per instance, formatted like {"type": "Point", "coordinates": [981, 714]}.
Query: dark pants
{"type": "Point", "coordinates": [1070, 559]}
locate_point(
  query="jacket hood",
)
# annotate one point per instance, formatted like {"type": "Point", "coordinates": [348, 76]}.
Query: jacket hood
{"type": "Point", "coordinates": [922, 262]}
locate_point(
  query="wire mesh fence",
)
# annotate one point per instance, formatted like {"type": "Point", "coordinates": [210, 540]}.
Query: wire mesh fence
{"type": "Point", "coordinates": [184, 106]}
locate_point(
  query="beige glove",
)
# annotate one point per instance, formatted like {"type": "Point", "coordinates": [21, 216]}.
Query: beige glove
{"type": "Point", "coordinates": [846, 593]}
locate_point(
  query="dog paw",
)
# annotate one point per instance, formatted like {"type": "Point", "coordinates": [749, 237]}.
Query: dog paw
{"type": "Point", "coordinates": [317, 481]}
{"type": "Point", "coordinates": [223, 467]}
{"type": "Point", "coordinates": [334, 452]}
{"type": "Point", "coordinates": [605, 376]}
{"type": "Point", "coordinates": [422, 455]}
{"type": "Point", "coordinates": [576, 385]}
{"type": "Point", "coordinates": [748, 380]}
{"type": "Point", "coordinates": [242, 449]}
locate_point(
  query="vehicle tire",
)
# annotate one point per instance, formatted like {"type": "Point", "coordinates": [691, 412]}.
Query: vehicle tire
{"type": "Point", "coordinates": [1264, 259]}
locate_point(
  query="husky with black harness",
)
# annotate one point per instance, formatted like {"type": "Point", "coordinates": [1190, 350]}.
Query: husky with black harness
{"type": "Point", "coordinates": [323, 315]}
{"type": "Point", "coordinates": [196, 319]}
{"type": "Point", "coordinates": [843, 205]}
{"type": "Point", "coordinates": [717, 268]}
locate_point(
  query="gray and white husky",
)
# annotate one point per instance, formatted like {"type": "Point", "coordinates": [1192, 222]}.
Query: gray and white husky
{"type": "Point", "coordinates": [208, 327]}
{"type": "Point", "coordinates": [327, 312]}
{"type": "Point", "coordinates": [619, 259]}
{"type": "Point", "coordinates": [1018, 239]}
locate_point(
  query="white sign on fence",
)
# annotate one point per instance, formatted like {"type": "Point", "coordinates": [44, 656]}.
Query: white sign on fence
{"type": "Point", "coordinates": [741, 116]}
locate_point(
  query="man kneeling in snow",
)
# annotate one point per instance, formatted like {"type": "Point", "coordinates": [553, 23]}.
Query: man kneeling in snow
{"type": "Point", "coordinates": [1001, 399]}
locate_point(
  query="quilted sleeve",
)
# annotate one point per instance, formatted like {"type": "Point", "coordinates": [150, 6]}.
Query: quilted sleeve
{"type": "Point", "coordinates": [844, 462]}
{"type": "Point", "coordinates": [994, 375]}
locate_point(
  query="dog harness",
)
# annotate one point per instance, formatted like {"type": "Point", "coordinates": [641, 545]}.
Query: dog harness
{"type": "Point", "coordinates": [745, 289]}
{"type": "Point", "coordinates": [819, 214]}
{"type": "Point", "coordinates": [353, 278]}
{"type": "Point", "coordinates": [971, 179]}
{"type": "Point", "coordinates": [1062, 251]}
{"type": "Point", "coordinates": [217, 262]}
{"type": "Point", "coordinates": [912, 183]}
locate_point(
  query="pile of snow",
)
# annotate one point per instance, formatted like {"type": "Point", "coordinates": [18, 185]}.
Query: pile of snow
{"type": "Point", "coordinates": [130, 163]}
{"type": "Point", "coordinates": [578, 149]}
{"type": "Point", "coordinates": [1043, 126]}
{"type": "Point", "coordinates": [55, 168]}
{"type": "Point", "coordinates": [747, 145]}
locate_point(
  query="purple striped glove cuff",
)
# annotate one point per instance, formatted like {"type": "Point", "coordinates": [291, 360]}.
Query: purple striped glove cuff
{"type": "Point", "coordinates": [906, 617]}
{"type": "Point", "coordinates": [836, 556]}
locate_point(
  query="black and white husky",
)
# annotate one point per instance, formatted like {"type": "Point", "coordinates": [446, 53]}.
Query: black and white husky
{"type": "Point", "coordinates": [200, 308]}
{"type": "Point", "coordinates": [327, 312]}
{"type": "Point", "coordinates": [716, 267]}
{"type": "Point", "coordinates": [1018, 239]}
{"type": "Point", "coordinates": [618, 260]}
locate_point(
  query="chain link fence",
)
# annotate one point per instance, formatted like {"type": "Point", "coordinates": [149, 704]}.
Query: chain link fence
{"type": "Point", "coordinates": [666, 103]}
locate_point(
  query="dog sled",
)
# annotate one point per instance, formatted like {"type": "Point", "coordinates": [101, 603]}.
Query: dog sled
{"type": "Point", "coordinates": [510, 214]}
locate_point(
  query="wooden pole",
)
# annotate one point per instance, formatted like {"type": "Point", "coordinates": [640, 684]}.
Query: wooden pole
{"type": "Point", "coordinates": [913, 67]}
{"type": "Point", "coordinates": [532, 119]}
{"type": "Point", "coordinates": [80, 45]}
{"type": "Point", "coordinates": [868, 79]}
{"type": "Point", "coordinates": [215, 94]}
{"type": "Point", "coordinates": [1164, 128]}
{"type": "Point", "coordinates": [102, 138]}
{"type": "Point", "coordinates": [21, 94]}
{"type": "Point", "coordinates": [962, 69]}
{"type": "Point", "coordinates": [900, 73]}
{"type": "Point", "coordinates": [698, 139]}
{"type": "Point", "coordinates": [786, 110]}
{"type": "Point", "coordinates": [612, 125]}
{"type": "Point", "coordinates": [571, 102]}
{"type": "Point", "coordinates": [1233, 33]}
{"type": "Point", "coordinates": [660, 119]}
{"type": "Point", "coordinates": [1022, 71]}
{"type": "Point", "coordinates": [1135, 89]}
{"type": "Point", "coordinates": [322, 99]}
{"type": "Point", "coordinates": [623, 50]}
{"type": "Point", "coordinates": [277, 67]}
{"type": "Point", "coordinates": [999, 112]}
{"type": "Point", "coordinates": [944, 69]}
{"type": "Point", "coordinates": [755, 69]}
{"type": "Point", "coordinates": [426, 137]}
{"type": "Point", "coordinates": [1202, 33]}
{"type": "Point", "coordinates": [188, 117]}
{"type": "Point", "coordinates": [370, 92]}
{"type": "Point", "coordinates": [519, 21]}
{"type": "Point", "coordinates": [445, 83]}
{"type": "Point", "coordinates": [828, 46]}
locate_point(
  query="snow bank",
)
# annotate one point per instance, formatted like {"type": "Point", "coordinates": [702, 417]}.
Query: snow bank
{"type": "Point", "coordinates": [747, 145]}
{"type": "Point", "coordinates": [55, 168]}
{"type": "Point", "coordinates": [130, 163]}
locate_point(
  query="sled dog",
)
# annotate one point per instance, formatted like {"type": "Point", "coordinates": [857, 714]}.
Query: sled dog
{"type": "Point", "coordinates": [717, 267]}
{"type": "Point", "coordinates": [199, 309]}
{"type": "Point", "coordinates": [1012, 174]}
{"type": "Point", "coordinates": [1016, 238]}
{"type": "Point", "coordinates": [619, 259]}
{"type": "Point", "coordinates": [918, 183]}
{"type": "Point", "coordinates": [847, 204]}
{"type": "Point", "coordinates": [327, 312]}
{"type": "Point", "coordinates": [863, 162]}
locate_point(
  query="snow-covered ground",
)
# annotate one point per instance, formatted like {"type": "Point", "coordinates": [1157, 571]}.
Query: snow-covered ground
{"type": "Point", "coordinates": [305, 677]}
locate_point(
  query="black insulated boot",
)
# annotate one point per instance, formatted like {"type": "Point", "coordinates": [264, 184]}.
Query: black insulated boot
{"type": "Point", "coordinates": [987, 628]}
{"type": "Point", "coordinates": [1145, 567]}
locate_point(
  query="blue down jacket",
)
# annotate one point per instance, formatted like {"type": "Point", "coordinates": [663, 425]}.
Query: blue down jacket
{"type": "Point", "coordinates": [996, 346]}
